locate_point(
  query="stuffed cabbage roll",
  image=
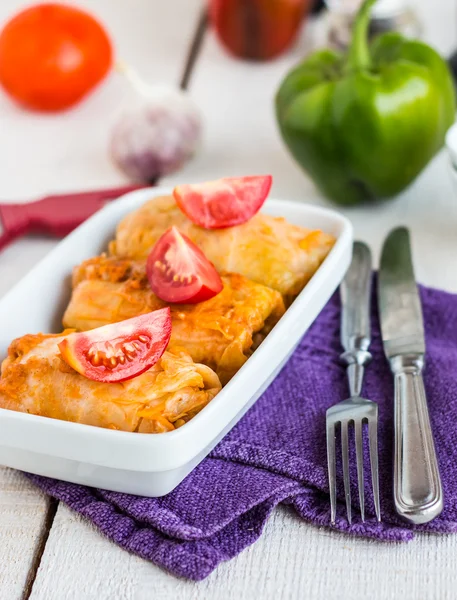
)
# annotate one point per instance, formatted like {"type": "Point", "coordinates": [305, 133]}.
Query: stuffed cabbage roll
{"type": "Point", "coordinates": [266, 249]}
{"type": "Point", "coordinates": [221, 332]}
{"type": "Point", "coordinates": [35, 379]}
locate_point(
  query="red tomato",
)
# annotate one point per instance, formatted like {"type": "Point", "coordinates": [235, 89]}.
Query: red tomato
{"type": "Point", "coordinates": [257, 29]}
{"type": "Point", "coordinates": [178, 271]}
{"type": "Point", "coordinates": [52, 55]}
{"type": "Point", "coordinates": [225, 202]}
{"type": "Point", "coordinates": [120, 351]}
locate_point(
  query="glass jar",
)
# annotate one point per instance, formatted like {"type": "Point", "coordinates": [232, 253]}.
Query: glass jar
{"type": "Point", "coordinates": [386, 15]}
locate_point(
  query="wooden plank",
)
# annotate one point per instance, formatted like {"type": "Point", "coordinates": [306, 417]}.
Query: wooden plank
{"type": "Point", "coordinates": [23, 512]}
{"type": "Point", "coordinates": [291, 561]}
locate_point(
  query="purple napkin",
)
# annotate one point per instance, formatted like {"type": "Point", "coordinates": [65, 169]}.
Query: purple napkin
{"type": "Point", "coordinates": [277, 454]}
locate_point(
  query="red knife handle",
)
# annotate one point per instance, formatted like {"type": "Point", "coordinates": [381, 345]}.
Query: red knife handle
{"type": "Point", "coordinates": [54, 215]}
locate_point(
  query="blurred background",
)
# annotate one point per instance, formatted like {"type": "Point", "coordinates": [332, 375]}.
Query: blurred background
{"type": "Point", "coordinates": [43, 152]}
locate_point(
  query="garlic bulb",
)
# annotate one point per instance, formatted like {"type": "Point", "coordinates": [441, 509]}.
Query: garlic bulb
{"type": "Point", "coordinates": [157, 135]}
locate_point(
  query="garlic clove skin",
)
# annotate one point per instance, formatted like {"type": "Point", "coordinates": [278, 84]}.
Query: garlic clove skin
{"type": "Point", "coordinates": [157, 136]}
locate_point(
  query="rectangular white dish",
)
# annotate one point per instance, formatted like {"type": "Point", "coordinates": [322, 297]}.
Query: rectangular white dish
{"type": "Point", "coordinates": [147, 464]}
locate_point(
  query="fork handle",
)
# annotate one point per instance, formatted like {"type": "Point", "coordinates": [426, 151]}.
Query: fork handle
{"type": "Point", "coordinates": [418, 494]}
{"type": "Point", "coordinates": [355, 316]}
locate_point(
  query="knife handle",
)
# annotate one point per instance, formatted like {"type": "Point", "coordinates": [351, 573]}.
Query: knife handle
{"type": "Point", "coordinates": [355, 316]}
{"type": "Point", "coordinates": [55, 215]}
{"type": "Point", "coordinates": [418, 494]}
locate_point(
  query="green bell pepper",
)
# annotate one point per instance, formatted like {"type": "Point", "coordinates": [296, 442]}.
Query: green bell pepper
{"type": "Point", "coordinates": [364, 125]}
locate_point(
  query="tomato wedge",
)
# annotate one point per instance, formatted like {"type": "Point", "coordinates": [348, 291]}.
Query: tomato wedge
{"type": "Point", "coordinates": [225, 202]}
{"type": "Point", "coordinates": [120, 351]}
{"type": "Point", "coordinates": [178, 271]}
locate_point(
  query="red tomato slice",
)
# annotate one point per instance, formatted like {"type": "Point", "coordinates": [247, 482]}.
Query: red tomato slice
{"type": "Point", "coordinates": [225, 202]}
{"type": "Point", "coordinates": [120, 351]}
{"type": "Point", "coordinates": [178, 271]}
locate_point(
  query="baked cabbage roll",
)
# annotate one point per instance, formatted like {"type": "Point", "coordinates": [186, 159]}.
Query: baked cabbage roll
{"type": "Point", "coordinates": [266, 249]}
{"type": "Point", "coordinates": [36, 380]}
{"type": "Point", "coordinates": [221, 332]}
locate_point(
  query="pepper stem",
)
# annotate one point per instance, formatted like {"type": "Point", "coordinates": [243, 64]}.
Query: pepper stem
{"type": "Point", "coordinates": [359, 54]}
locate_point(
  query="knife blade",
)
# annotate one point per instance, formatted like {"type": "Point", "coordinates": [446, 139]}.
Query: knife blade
{"type": "Point", "coordinates": [418, 495]}
{"type": "Point", "coordinates": [401, 323]}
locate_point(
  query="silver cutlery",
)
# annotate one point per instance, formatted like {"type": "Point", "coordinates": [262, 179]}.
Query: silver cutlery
{"type": "Point", "coordinates": [418, 495]}
{"type": "Point", "coordinates": [355, 339]}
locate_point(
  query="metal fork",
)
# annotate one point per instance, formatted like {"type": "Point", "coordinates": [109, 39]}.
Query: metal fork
{"type": "Point", "coordinates": [355, 339]}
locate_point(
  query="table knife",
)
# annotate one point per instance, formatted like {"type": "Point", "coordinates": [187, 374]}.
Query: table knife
{"type": "Point", "coordinates": [418, 494]}
{"type": "Point", "coordinates": [54, 215]}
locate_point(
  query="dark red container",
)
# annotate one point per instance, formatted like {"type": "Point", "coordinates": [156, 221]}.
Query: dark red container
{"type": "Point", "coordinates": [257, 29]}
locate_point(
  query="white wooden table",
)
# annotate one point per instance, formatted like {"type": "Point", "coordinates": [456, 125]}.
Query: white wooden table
{"type": "Point", "coordinates": [49, 553]}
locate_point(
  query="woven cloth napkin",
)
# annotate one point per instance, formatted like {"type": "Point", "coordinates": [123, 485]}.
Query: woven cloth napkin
{"type": "Point", "coordinates": [277, 454]}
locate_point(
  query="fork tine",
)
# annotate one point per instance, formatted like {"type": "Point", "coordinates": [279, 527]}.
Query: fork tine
{"type": "Point", "coordinates": [331, 469]}
{"type": "Point", "coordinates": [359, 453]}
{"type": "Point", "coordinates": [373, 437]}
{"type": "Point", "coordinates": [345, 457]}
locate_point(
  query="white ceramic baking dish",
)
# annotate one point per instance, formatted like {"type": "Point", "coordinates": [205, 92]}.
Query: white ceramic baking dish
{"type": "Point", "coordinates": [150, 465]}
